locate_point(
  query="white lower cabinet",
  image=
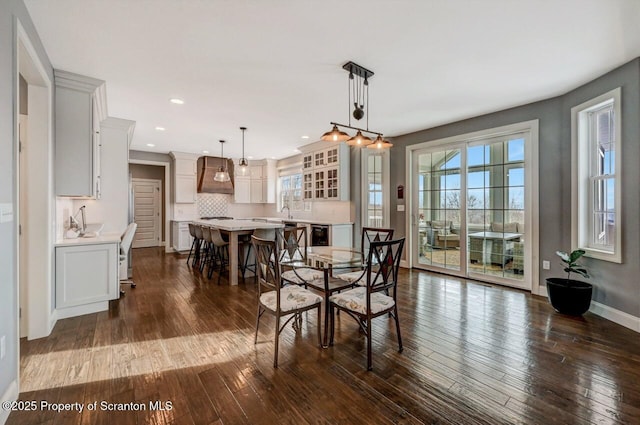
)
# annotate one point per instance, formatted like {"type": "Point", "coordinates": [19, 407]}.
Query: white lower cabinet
{"type": "Point", "coordinates": [182, 239]}
{"type": "Point", "coordinates": [86, 275]}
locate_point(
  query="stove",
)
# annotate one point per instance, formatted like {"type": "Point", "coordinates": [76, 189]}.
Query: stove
{"type": "Point", "coordinates": [216, 218]}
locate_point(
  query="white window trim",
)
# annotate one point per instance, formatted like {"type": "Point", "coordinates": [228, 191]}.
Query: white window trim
{"type": "Point", "coordinates": [580, 168]}
{"type": "Point", "coordinates": [364, 178]}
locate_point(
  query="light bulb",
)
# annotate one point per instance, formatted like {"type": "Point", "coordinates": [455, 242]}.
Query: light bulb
{"type": "Point", "coordinates": [379, 145]}
{"type": "Point", "coordinates": [335, 137]}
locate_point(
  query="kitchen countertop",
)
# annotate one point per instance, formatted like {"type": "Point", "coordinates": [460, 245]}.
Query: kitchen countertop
{"type": "Point", "coordinates": [304, 220]}
{"type": "Point", "coordinates": [235, 225]}
{"type": "Point", "coordinates": [103, 238]}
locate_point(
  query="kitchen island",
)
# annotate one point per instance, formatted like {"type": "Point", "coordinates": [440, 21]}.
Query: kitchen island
{"type": "Point", "coordinates": [234, 228]}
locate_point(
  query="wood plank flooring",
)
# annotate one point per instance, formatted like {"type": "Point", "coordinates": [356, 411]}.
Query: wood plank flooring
{"type": "Point", "coordinates": [473, 354]}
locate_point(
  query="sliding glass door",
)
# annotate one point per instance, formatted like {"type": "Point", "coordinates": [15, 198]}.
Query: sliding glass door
{"type": "Point", "coordinates": [469, 208]}
{"type": "Point", "coordinates": [440, 208]}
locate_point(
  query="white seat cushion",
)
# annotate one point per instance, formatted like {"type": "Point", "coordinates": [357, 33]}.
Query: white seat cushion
{"type": "Point", "coordinates": [359, 277]}
{"type": "Point", "coordinates": [291, 298]}
{"type": "Point", "coordinates": [356, 300]}
{"type": "Point", "coordinates": [302, 275]}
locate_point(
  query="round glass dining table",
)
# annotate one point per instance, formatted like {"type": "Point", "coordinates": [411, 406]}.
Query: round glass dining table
{"type": "Point", "coordinates": [331, 260]}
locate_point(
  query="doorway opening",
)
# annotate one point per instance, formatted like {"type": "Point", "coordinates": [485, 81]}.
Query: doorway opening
{"type": "Point", "coordinates": [148, 204]}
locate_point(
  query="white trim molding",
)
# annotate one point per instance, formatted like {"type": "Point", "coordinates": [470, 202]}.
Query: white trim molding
{"type": "Point", "coordinates": [11, 394]}
{"type": "Point", "coordinates": [582, 166]}
{"type": "Point", "coordinates": [620, 317]}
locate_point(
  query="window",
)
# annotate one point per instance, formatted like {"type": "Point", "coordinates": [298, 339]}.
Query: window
{"type": "Point", "coordinates": [375, 170]}
{"type": "Point", "coordinates": [291, 192]}
{"type": "Point", "coordinates": [596, 148]}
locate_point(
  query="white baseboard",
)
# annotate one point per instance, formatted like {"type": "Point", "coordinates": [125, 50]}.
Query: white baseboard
{"type": "Point", "coordinates": [620, 317]}
{"type": "Point", "coordinates": [80, 310]}
{"type": "Point", "coordinates": [11, 394]}
{"type": "Point", "coordinates": [404, 264]}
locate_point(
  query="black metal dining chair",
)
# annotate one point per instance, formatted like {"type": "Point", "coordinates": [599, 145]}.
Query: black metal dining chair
{"type": "Point", "coordinates": [292, 247]}
{"type": "Point", "coordinates": [369, 235]}
{"type": "Point", "coordinates": [365, 303]}
{"type": "Point", "coordinates": [276, 299]}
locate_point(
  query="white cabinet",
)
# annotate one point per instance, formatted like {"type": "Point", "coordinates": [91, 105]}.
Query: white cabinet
{"type": "Point", "coordinates": [86, 274]}
{"type": "Point", "coordinates": [325, 174]}
{"type": "Point", "coordinates": [258, 184]}
{"type": "Point", "coordinates": [182, 239]}
{"type": "Point", "coordinates": [185, 174]}
{"type": "Point", "coordinates": [257, 192]}
{"type": "Point", "coordinates": [80, 106]}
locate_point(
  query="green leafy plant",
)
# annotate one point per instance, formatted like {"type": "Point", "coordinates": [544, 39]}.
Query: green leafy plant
{"type": "Point", "coordinates": [571, 261]}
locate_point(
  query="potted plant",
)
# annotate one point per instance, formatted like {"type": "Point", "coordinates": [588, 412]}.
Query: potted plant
{"type": "Point", "coordinates": [570, 296]}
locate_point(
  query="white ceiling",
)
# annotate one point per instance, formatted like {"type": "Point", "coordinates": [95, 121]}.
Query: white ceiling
{"type": "Point", "coordinates": [276, 66]}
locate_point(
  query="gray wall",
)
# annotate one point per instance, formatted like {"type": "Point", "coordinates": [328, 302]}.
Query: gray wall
{"type": "Point", "coordinates": [9, 11]}
{"type": "Point", "coordinates": [615, 285]}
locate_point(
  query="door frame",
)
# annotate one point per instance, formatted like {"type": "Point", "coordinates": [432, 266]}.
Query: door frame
{"type": "Point", "coordinates": [532, 241]}
{"type": "Point", "coordinates": [158, 204]}
{"type": "Point", "coordinates": [40, 316]}
{"type": "Point", "coordinates": [168, 212]}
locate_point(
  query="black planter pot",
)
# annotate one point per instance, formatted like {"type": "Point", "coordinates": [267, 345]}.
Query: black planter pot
{"type": "Point", "coordinates": [568, 296]}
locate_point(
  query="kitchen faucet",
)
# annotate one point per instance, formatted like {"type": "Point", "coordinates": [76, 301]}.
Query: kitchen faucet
{"type": "Point", "coordinates": [289, 215]}
{"type": "Point", "coordinates": [73, 222]}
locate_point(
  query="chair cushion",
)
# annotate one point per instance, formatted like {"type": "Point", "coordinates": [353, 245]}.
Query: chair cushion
{"type": "Point", "coordinates": [356, 300]}
{"type": "Point", "coordinates": [359, 275]}
{"type": "Point", "coordinates": [291, 298]}
{"type": "Point", "coordinates": [302, 275]}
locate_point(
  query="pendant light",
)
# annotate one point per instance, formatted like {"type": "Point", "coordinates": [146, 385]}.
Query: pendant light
{"type": "Point", "coordinates": [380, 143]}
{"type": "Point", "coordinates": [335, 135]}
{"type": "Point", "coordinates": [359, 88]}
{"type": "Point", "coordinates": [244, 164]}
{"type": "Point", "coordinates": [360, 140]}
{"type": "Point", "coordinates": [222, 175]}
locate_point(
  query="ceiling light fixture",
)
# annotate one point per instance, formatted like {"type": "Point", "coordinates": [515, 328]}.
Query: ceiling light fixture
{"type": "Point", "coordinates": [244, 164]}
{"type": "Point", "coordinates": [160, 128]}
{"type": "Point", "coordinates": [176, 101]}
{"type": "Point", "coordinates": [205, 151]}
{"type": "Point", "coordinates": [222, 175]}
{"type": "Point", "coordinates": [359, 88]}
{"type": "Point", "coordinates": [150, 145]}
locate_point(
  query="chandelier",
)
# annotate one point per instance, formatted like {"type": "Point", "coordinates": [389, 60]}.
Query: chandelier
{"type": "Point", "coordinates": [358, 94]}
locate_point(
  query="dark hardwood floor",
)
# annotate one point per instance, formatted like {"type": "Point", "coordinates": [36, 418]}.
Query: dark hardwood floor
{"type": "Point", "coordinates": [473, 354]}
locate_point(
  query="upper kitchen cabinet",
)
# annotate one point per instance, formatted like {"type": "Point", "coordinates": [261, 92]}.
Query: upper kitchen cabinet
{"type": "Point", "coordinates": [81, 105]}
{"type": "Point", "coordinates": [185, 166]}
{"type": "Point", "coordinates": [325, 172]}
{"type": "Point", "coordinates": [258, 184]}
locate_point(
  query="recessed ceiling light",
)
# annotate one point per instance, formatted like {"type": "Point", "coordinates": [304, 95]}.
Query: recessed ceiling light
{"type": "Point", "coordinates": [150, 145]}
{"type": "Point", "coordinates": [249, 157]}
{"type": "Point", "coordinates": [305, 137]}
{"type": "Point", "coordinates": [273, 157]}
{"type": "Point", "coordinates": [176, 101]}
{"type": "Point", "coordinates": [296, 150]}
{"type": "Point", "coordinates": [205, 151]}
{"type": "Point", "coordinates": [160, 128]}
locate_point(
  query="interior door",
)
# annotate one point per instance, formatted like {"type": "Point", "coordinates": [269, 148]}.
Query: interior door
{"type": "Point", "coordinates": [146, 201]}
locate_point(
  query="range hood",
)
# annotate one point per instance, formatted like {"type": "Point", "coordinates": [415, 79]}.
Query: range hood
{"type": "Point", "coordinates": [207, 167]}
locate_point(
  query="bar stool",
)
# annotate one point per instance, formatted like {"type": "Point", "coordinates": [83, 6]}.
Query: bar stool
{"type": "Point", "coordinates": [244, 253]}
{"type": "Point", "coordinates": [199, 237]}
{"type": "Point", "coordinates": [208, 251]}
{"type": "Point", "coordinates": [221, 250]}
{"type": "Point", "coordinates": [192, 232]}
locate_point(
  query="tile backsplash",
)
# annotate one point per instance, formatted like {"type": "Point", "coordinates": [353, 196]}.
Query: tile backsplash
{"type": "Point", "coordinates": [213, 204]}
